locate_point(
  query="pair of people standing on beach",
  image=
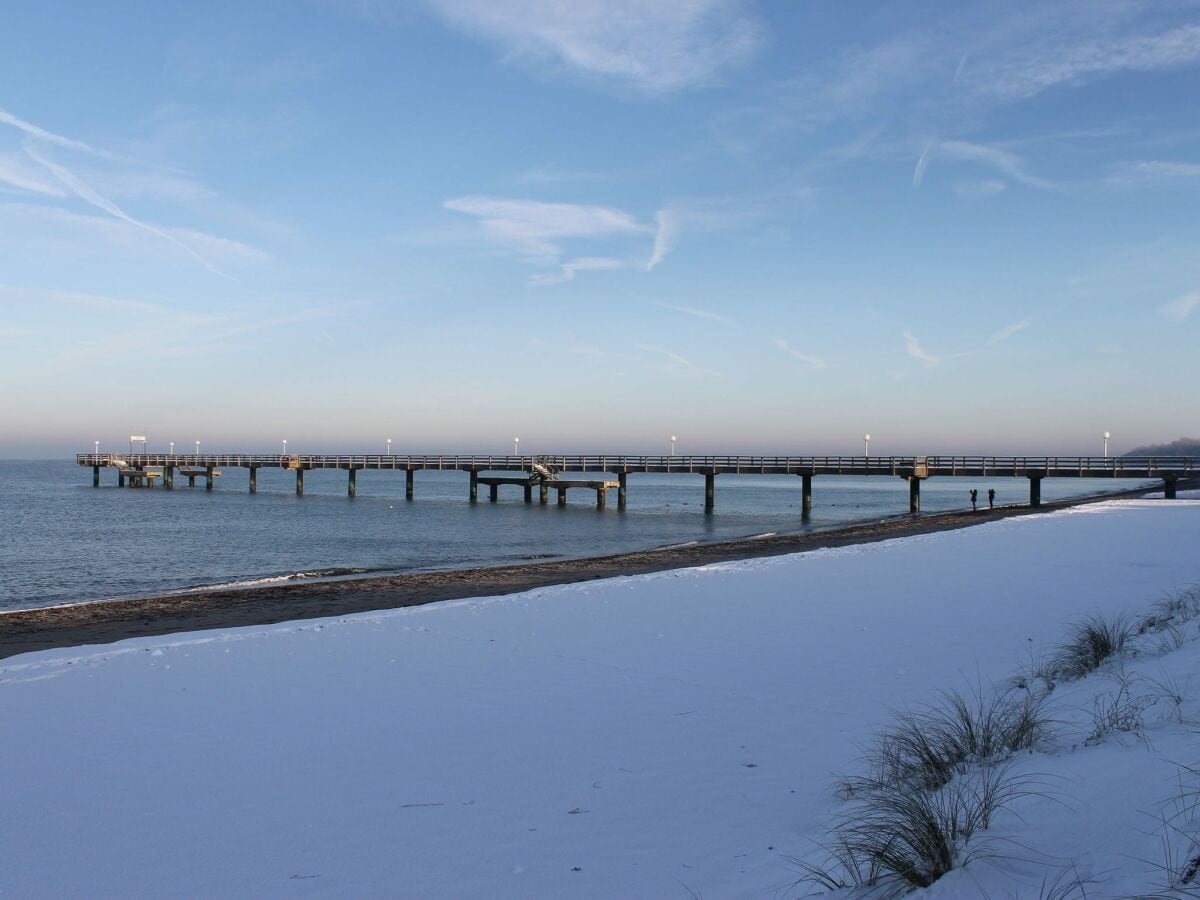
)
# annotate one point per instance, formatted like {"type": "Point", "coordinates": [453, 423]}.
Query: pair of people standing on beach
{"type": "Point", "coordinates": [975, 498]}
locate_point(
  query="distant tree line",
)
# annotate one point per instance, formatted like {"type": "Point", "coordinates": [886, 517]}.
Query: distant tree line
{"type": "Point", "coordinates": [1181, 447]}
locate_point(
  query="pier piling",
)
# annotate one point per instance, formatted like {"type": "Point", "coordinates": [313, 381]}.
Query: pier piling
{"type": "Point", "coordinates": [528, 493]}
{"type": "Point", "coordinates": [562, 496]}
{"type": "Point", "coordinates": [408, 483]}
{"type": "Point", "coordinates": [474, 485]}
{"type": "Point", "coordinates": [168, 477]}
{"type": "Point", "coordinates": [1035, 490]}
{"type": "Point", "coordinates": [493, 493]}
{"type": "Point", "coordinates": [1169, 489]}
{"type": "Point", "coordinates": [601, 497]}
{"type": "Point", "coordinates": [299, 482]}
{"type": "Point", "coordinates": [352, 483]}
{"type": "Point", "coordinates": [543, 493]}
{"type": "Point", "coordinates": [622, 490]}
{"type": "Point", "coordinates": [710, 484]}
{"type": "Point", "coordinates": [254, 479]}
{"type": "Point", "coordinates": [805, 495]}
{"type": "Point", "coordinates": [208, 478]}
{"type": "Point", "coordinates": [914, 494]}
{"type": "Point", "coordinates": [95, 476]}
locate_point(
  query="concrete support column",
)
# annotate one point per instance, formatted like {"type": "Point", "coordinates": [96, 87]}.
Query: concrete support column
{"type": "Point", "coordinates": [299, 482]}
{"type": "Point", "coordinates": [191, 481]}
{"type": "Point", "coordinates": [254, 479]}
{"type": "Point", "coordinates": [352, 483]}
{"type": "Point", "coordinates": [493, 493]}
{"type": "Point", "coordinates": [1169, 491]}
{"type": "Point", "coordinates": [622, 490]}
{"type": "Point", "coordinates": [408, 483]}
{"type": "Point", "coordinates": [120, 478]}
{"type": "Point", "coordinates": [1035, 490]}
{"type": "Point", "coordinates": [474, 486]}
{"type": "Point", "coordinates": [601, 497]}
{"type": "Point", "coordinates": [562, 496]}
{"type": "Point", "coordinates": [710, 490]}
{"type": "Point", "coordinates": [805, 495]}
{"type": "Point", "coordinates": [95, 476]}
{"type": "Point", "coordinates": [528, 493]}
{"type": "Point", "coordinates": [543, 493]}
{"type": "Point", "coordinates": [914, 495]}
{"type": "Point", "coordinates": [168, 476]}
{"type": "Point", "coordinates": [208, 486]}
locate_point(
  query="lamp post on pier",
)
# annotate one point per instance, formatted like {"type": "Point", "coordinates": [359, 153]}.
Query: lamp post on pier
{"type": "Point", "coordinates": [866, 445]}
{"type": "Point", "coordinates": [673, 439]}
{"type": "Point", "coordinates": [516, 443]}
{"type": "Point", "coordinates": [1106, 437]}
{"type": "Point", "coordinates": [97, 443]}
{"type": "Point", "coordinates": [285, 446]}
{"type": "Point", "coordinates": [197, 448]}
{"type": "Point", "coordinates": [172, 443]}
{"type": "Point", "coordinates": [389, 446]}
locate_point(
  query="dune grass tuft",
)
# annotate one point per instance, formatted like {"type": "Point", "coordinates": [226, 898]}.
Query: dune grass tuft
{"type": "Point", "coordinates": [1089, 644]}
{"type": "Point", "coordinates": [897, 837]}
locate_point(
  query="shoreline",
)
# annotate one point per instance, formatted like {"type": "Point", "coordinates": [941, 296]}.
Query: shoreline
{"type": "Point", "coordinates": [108, 621]}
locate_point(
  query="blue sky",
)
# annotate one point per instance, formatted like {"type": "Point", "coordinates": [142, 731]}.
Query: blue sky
{"type": "Point", "coordinates": [763, 227]}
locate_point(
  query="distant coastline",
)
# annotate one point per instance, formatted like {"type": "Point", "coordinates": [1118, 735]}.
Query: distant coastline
{"type": "Point", "coordinates": [24, 631]}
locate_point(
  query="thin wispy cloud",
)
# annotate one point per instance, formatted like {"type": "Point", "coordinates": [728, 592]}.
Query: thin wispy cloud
{"type": "Point", "coordinates": [677, 362]}
{"type": "Point", "coordinates": [1009, 330]}
{"type": "Point", "coordinates": [48, 227]}
{"type": "Point", "coordinates": [1027, 71]}
{"type": "Point", "coordinates": [913, 348]}
{"type": "Point", "coordinates": [49, 137]}
{"type": "Point", "coordinates": [922, 165]}
{"type": "Point", "coordinates": [535, 229]}
{"type": "Point", "coordinates": [1181, 308]}
{"type": "Point", "coordinates": [537, 232]}
{"type": "Point", "coordinates": [17, 174]}
{"type": "Point", "coordinates": [810, 361]}
{"type": "Point", "coordinates": [656, 47]}
{"type": "Point", "coordinates": [976, 60]}
{"type": "Point", "coordinates": [571, 268]}
{"type": "Point", "coordinates": [1004, 161]}
{"type": "Point", "coordinates": [86, 193]}
{"type": "Point", "coordinates": [698, 313]}
{"type": "Point", "coordinates": [42, 180]}
{"type": "Point", "coordinates": [1154, 171]}
{"type": "Point", "coordinates": [665, 237]}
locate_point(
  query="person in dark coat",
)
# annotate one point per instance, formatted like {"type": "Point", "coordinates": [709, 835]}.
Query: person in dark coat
{"type": "Point", "coordinates": [991, 498]}
{"type": "Point", "coordinates": [974, 499]}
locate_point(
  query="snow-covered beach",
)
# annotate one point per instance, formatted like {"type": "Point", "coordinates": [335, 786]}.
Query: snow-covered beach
{"type": "Point", "coordinates": [665, 735]}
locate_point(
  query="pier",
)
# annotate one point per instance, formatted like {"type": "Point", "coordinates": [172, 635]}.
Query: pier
{"type": "Point", "coordinates": [561, 473]}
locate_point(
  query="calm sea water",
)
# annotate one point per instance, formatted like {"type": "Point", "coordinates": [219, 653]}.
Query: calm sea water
{"type": "Point", "coordinates": [63, 541]}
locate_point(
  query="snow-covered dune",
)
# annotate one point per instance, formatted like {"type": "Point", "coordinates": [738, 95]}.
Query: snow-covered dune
{"type": "Point", "coordinates": [652, 736]}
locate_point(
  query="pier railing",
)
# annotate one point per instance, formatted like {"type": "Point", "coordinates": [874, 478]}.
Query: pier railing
{"type": "Point", "coordinates": [135, 468]}
{"type": "Point", "coordinates": [904, 466]}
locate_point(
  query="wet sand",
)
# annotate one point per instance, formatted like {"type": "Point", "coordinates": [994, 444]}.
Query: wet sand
{"type": "Point", "coordinates": [23, 631]}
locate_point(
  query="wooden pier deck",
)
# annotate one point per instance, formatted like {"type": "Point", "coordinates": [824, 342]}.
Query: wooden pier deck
{"type": "Point", "coordinates": [914, 469]}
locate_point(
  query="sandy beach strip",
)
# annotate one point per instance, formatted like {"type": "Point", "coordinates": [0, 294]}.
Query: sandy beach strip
{"type": "Point", "coordinates": [24, 631]}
